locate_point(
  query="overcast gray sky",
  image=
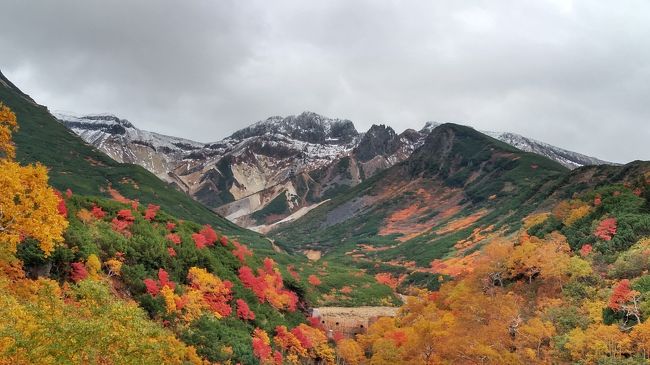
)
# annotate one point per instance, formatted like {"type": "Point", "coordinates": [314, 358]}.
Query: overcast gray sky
{"type": "Point", "coordinates": [572, 73]}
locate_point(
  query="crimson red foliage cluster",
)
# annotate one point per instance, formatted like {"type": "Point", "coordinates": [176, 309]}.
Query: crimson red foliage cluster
{"type": "Point", "coordinates": [241, 252]}
{"type": "Point", "coordinates": [79, 272]}
{"type": "Point", "coordinates": [151, 212]}
{"type": "Point", "coordinates": [243, 310]}
{"type": "Point", "coordinates": [268, 286]}
{"type": "Point", "coordinates": [154, 287]}
{"type": "Point", "coordinates": [606, 229]}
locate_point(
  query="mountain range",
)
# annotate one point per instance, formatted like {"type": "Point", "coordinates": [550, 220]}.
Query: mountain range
{"type": "Point", "coordinates": [277, 169]}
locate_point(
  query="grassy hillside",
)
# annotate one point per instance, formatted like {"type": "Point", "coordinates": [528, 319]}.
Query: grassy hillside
{"type": "Point", "coordinates": [451, 197]}
{"type": "Point", "coordinates": [77, 166]}
{"type": "Point", "coordinates": [182, 275]}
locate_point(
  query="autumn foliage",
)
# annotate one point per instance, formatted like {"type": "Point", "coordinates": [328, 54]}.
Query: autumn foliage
{"type": "Point", "coordinates": [123, 221]}
{"type": "Point", "coordinates": [50, 320]}
{"type": "Point", "coordinates": [313, 280]}
{"type": "Point", "coordinates": [621, 294]}
{"type": "Point", "coordinates": [292, 271]}
{"type": "Point", "coordinates": [304, 341]}
{"type": "Point", "coordinates": [205, 237]}
{"type": "Point", "coordinates": [199, 240]}
{"type": "Point", "coordinates": [209, 234]}
{"type": "Point", "coordinates": [586, 249]}
{"type": "Point", "coordinates": [171, 251]}
{"type": "Point", "coordinates": [541, 297]}
{"type": "Point", "coordinates": [151, 212]}
{"type": "Point", "coordinates": [30, 207]}
{"type": "Point", "coordinates": [241, 252]}
{"type": "Point", "coordinates": [174, 238]}
{"type": "Point", "coordinates": [61, 207]}
{"type": "Point", "coordinates": [79, 271]}
{"type": "Point", "coordinates": [268, 286]}
{"type": "Point", "coordinates": [386, 279]}
{"type": "Point", "coordinates": [154, 286]}
{"type": "Point", "coordinates": [125, 215]}
{"type": "Point", "coordinates": [98, 212]}
{"type": "Point", "coordinates": [8, 125]}
{"type": "Point", "coordinates": [262, 346]}
{"type": "Point", "coordinates": [606, 229]}
{"type": "Point", "coordinates": [216, 293]}
{"type": "Point", "coordinates": [243, 311]}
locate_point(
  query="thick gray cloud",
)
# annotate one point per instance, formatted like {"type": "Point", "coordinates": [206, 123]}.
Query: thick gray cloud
{"type": "Point", "coordinates": [572, 73]}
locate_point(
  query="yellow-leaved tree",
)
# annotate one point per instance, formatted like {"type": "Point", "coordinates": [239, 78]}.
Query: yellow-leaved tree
{"type": "Point", "coordinates": [28, 205]}
{"type": "Point", "coordinates": [8, 125]}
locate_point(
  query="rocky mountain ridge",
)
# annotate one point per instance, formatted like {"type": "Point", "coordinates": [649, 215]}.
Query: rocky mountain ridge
{"type": "Point", "coordinates": [277, 167]}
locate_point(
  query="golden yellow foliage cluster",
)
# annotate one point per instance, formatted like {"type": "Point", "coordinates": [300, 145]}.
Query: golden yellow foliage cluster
{"type": "Point", "coordinates": [28, 205]}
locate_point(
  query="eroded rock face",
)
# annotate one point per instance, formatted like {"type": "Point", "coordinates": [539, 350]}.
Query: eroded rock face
{"type": "Point", "coordinates": [379, 140]}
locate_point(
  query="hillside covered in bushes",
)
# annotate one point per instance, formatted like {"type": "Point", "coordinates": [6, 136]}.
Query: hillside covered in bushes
{"type": "Point", "coordinates": [90, 279]}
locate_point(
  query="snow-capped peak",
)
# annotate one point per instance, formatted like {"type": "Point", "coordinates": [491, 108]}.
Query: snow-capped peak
{"type": "Point", "coordinates": [94, 119]}
{"type": "Point", "coordinates": [567, 158]}
{"type": "Point", "coordinates": [306, 127]}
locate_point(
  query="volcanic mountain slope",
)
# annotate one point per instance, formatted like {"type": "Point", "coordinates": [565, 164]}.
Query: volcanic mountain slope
{"type": "Point", "coordinates": [125, 143]}
{"type": "Point", "coordinates": [459, 186]}
{"type": "Point", "coordinates": [266, 163]}
{"type": "Point", "coordinates": [277, 169]}
{"type": "Point", "coordinates": [567, 158]}
{"type": "Point", "coordinates": [455, 192]}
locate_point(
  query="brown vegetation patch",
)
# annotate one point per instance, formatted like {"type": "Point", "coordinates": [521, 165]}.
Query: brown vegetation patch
{"type": "Point", "coordinates": [313, 255]}
{"type": "Point", "coordinates": [368, 248]}
{"type": "Point", "coordinates": [117, 196]}
{"type": "Point", "coordinates": [412, 220]}
{"type": "Point", "coordinates": [478, 234]}
{"type": "Point", "coordinates": [127, 180]}
{"type": "Point", "coordinates": [462, 223]}
{"type": "Point", "coordinates": [455, 266]}
{"type": "Point", "coordinates": [94, 162]}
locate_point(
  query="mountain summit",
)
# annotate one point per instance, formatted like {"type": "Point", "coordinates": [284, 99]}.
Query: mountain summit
{"type": "Point", "coordinates": [306, 127]}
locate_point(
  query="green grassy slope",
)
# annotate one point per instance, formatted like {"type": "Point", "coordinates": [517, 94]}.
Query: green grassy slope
{"type": "Point", "coordinates": [80, 167]}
